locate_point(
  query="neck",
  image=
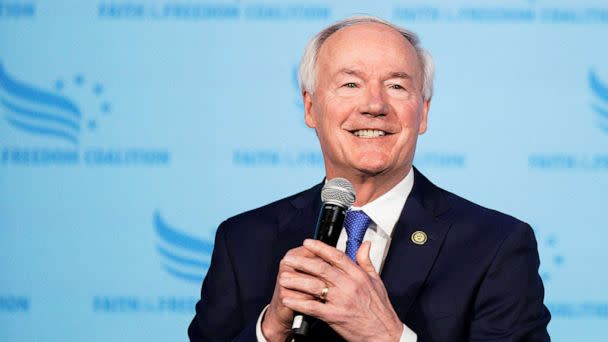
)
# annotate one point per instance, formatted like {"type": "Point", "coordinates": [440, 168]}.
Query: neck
{"type": "Point", "coordinates": [369, 187]}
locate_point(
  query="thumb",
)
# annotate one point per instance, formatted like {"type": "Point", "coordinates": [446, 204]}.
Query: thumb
{"type": "Point", "coordinates": [363, 257]}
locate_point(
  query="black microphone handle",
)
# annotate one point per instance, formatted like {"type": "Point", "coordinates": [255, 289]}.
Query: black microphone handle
{"type": "Point", "coordinates": [329, 226]}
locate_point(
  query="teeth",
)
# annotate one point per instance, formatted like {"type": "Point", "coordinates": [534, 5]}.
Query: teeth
{"type": "Point", "coordinates": [368, 133]}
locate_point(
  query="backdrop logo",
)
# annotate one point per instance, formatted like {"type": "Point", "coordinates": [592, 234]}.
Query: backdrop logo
{"type": "Point", "coordinates": [61, 121]}
{"type": "Point", "coordinates": [44, 113]}
{"type": "Point", "coordinates": [551, 256]}
{"type": "Point", "coordinates": [182, 256]}
{"type": "Point", "coordinates": [199, 10]}
{"type": "Point", "coordinates": [17, 9]}
{"type": "Point", "coordinates": [600, 105]}
{"type": "Point", "coordinates": [558, 161]}
{"type": "Point", "coordinates": [487, 14]}
{"type": "Point", "coordinates": [14, 303]}
{"type": "Point", "coordinates": [442, 160]}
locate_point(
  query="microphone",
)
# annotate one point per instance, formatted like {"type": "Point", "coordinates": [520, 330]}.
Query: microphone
{"type": "Point", "coordinates": [337, 195]}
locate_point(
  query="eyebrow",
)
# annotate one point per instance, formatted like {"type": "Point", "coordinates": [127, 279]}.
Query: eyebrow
{"type": "Point", "coordinates": [349, 72]}
{"type": "Point", "coordinates": [400, 74]}
{"type": "Point", "coordinates": [394, 74]}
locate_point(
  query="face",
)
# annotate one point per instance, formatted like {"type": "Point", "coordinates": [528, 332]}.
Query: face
{"type": "Point", "coordinates": [367, 106]}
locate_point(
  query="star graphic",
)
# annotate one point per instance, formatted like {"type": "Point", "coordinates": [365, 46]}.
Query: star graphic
{"type": "Point", "coordinates": [105, 107]}
{"type": "Point", "coordinates": [79, 80]}
{"type": "Point", "coordinates": [98, 89]}
{"type": "Point", "coordinates": [92, 125]}
{"type": "Point", "coordinates": [59, 85]}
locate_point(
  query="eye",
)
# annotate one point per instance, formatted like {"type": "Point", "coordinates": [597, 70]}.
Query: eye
{"type": "Point", "coordinates": [396, 86]}
{"type": "Point", "coordinates": [350, 85]}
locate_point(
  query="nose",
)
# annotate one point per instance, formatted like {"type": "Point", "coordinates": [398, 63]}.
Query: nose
{"type": "Point", "coordinates": [374, 101]}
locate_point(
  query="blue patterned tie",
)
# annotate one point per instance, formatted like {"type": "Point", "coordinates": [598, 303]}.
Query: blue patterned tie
{"type": "Point", "coordinates": [356, 223]}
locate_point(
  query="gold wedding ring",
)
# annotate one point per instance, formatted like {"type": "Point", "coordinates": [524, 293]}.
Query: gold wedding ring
{"type": "Point", "coordinates": [323, 295]}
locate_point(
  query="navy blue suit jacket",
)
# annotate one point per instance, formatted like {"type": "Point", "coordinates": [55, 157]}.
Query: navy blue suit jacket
{"type": "Point", "coordinates": [475, 279]}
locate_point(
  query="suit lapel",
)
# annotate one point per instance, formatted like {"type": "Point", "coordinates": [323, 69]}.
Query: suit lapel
{"type": "Point", "coordinates": [407, 263]}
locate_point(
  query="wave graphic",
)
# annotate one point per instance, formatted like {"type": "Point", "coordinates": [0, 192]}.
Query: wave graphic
{"type": "Point", "coordinates": [37, 111]}
{"type": "Point", "coordinates": [601, 92]}
{"type": "Point", "coordinates": [183, 256]}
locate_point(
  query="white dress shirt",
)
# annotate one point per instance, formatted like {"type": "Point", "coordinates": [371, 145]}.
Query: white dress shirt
{"type": "Point", "coordinates": [384, 212]}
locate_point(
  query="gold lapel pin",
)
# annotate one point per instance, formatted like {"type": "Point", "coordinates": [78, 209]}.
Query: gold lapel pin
{"type": "Point", "coordinates": [419, 237]}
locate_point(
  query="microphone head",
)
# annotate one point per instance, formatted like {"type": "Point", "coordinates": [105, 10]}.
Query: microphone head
{"type": "Point", "coordinates": [338, 191]}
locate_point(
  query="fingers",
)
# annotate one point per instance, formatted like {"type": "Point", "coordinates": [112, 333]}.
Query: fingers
{"type": "Point", "coordinates": [356, 299]}
{"type": "Point", "coordinates": [287, 273]}
{"type": "Point", "coordinates": [363, 258]}
{"type": "Point", "coordinates": [277, 320]}
{"type": "Point", "coordinates": [300, 251]}
{"type": "Point", "coordinates": [302, 283]}
{"type": "Point", "coordinates": [315, 267]}
{"type": "Point", "coordinates": [289, 293]}
{"type": "Point", "coordinates": [308, 307]}
{"type": "Point", "coordinates": [296, 252]}
{"type": "Point", "coordinates": [330, 255]}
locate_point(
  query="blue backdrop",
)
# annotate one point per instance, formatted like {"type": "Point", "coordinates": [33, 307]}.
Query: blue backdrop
{"type": "Point", "coordinates": [129, 130]}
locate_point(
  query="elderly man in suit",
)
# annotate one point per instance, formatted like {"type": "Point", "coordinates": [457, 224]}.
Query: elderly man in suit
{"type": "Point", "coordinates": [414, 262]}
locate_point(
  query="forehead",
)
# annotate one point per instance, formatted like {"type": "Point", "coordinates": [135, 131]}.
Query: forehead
{"type": "Point", "coordinates": [372, 46]}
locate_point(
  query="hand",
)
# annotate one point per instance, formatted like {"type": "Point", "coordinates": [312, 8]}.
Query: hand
{"type": "Point", "coordinates": [357, 306]}
{"type": "Point", "coordinates": [277, 321]}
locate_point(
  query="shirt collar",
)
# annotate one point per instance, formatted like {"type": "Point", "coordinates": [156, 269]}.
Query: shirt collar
{"type": "Point", "coordinates": [386, 209]}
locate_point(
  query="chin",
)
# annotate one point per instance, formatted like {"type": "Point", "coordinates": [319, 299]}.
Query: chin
{"type": "Point", "coordinates": [372, 167]}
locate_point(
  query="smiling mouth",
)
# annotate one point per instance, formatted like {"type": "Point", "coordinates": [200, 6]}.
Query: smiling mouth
{"type": "Point", "coordinates": [368, 133]}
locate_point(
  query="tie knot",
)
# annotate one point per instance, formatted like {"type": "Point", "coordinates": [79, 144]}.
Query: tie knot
{"type": "Point", "coordinates": [356, 222]}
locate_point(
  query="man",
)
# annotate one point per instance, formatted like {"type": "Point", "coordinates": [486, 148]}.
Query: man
{"type": "Point", "coordinates": [433, 267]}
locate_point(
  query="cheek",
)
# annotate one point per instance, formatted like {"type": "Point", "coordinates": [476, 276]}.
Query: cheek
{"type": "Point", "coordinates": [412, 116]}
{"type": "Point", "coordinates": [332, 116]}
{"type": "Point", "coordinates": [334, 103]}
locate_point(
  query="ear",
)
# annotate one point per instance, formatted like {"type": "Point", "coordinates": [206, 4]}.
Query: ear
{"type": "Point", "coordinates": [425, 113]}
{"type": "Point", "coordinates": [308, 114]}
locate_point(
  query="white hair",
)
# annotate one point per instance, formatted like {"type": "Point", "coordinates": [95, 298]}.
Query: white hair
{"type": "Point", "coordinates": [307, 70]}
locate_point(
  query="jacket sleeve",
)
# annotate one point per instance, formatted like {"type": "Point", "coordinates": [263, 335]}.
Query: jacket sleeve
{"type": "Point", "coordinates": [219, 315]}
{"type": "Point", "coordinates": [509, 305]}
